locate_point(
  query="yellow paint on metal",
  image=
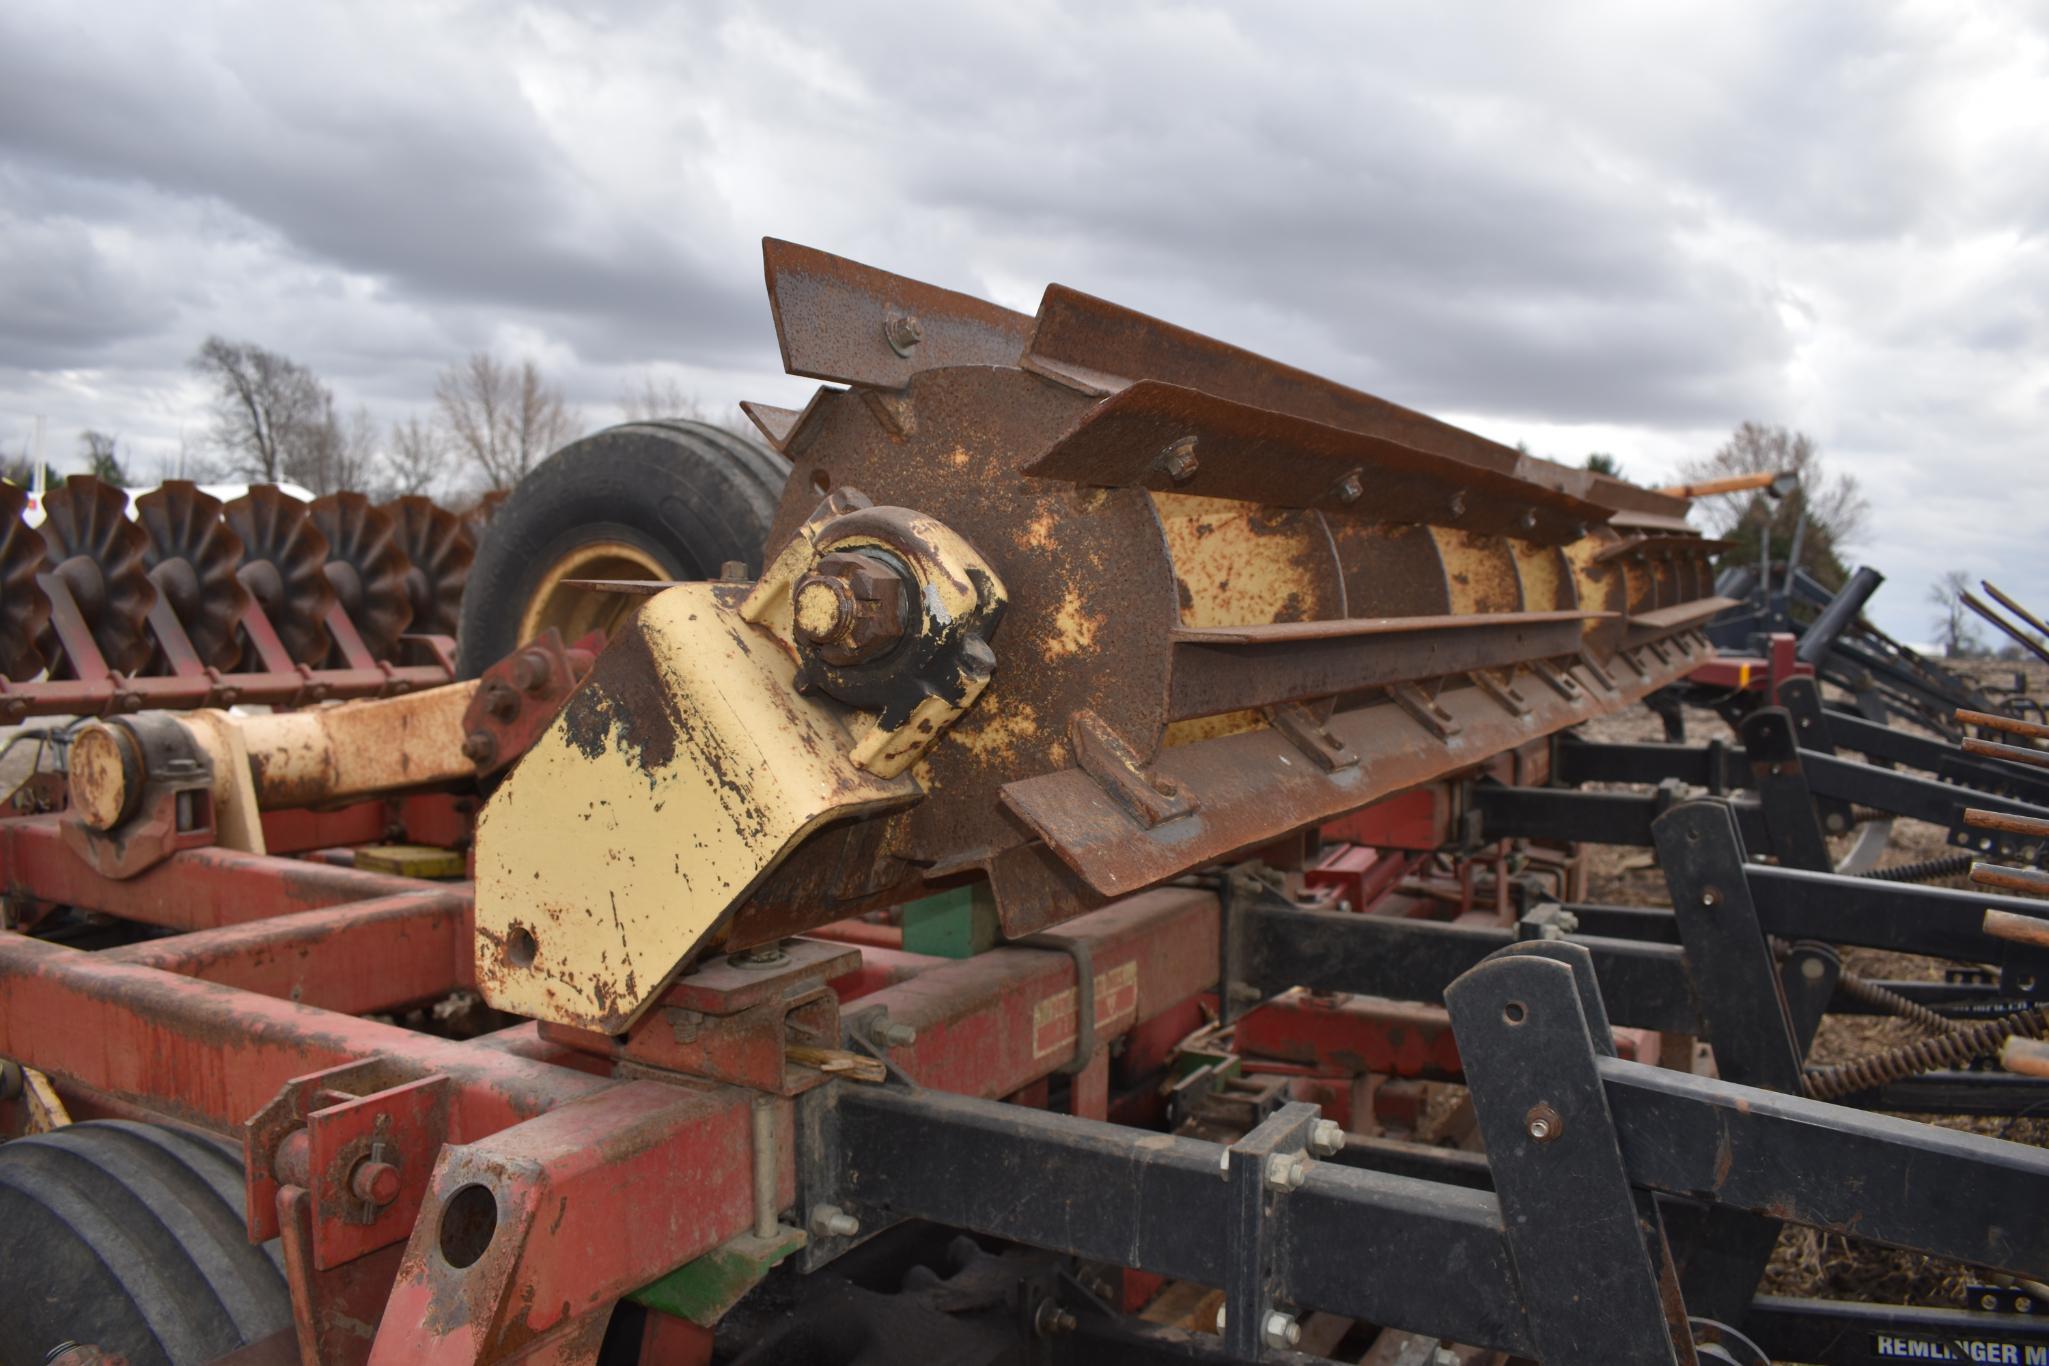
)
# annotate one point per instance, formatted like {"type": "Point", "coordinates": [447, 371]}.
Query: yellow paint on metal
{"type": "Point", "coordinates": [576, 612]}
{"type": "Point", "coordinates": [412, 860]}
{"type": "Point", "coordinates": [1236, 564]}
{"type": "Point", "coordinates": [682, 772]}
{"type": "Point", "coordinates": [1481, 571]}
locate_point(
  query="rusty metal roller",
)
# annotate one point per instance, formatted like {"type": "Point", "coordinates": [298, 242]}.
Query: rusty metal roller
{"type": "Point", "coordinates": [24, 607]}
{"type": "Point", "coordinates": [440, 548]}
{"type": "Point", "coordinates": [97, 553]}
{"type": "Point", "coordinates": [192, 556]}
{"type": "Point", "coordinates": [368, 568]}
{"type": "Point", "coordinates": [284, 558]}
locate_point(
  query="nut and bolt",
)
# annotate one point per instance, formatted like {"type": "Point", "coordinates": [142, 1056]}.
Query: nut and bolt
{"type": "Point", "coordinates": [500, 702]}
{"type": "Point", "coordinates": [898, 1035]}
{"type": "Point", "coordinates": [902, 332]}
{"type": "Point", "coordinates": [1280, 1330]}
{"type": "Point", "coordinates": [833, 1222]}
{"type": "Point", "coordinates": [1050, 1320]}
{"type": "Point", "coordinates": [1287, 1171]}
{"type": "Point", "coordinates": [479, 748]}
{"type": "Point", "coordinates": [374, 1182]}
{"type": "Point", "coordinates": [1350, 488]}
{"type": "Point", "coordinates": [851, 607]}
{"type": "Point", "coordinates": [764, 956]}
{"type": "Point", "coordinates": [530, 671]}
{"type": "Point", "coordinates": [1326, 1138]}
{"type": "Point", "coordinates": [1179, 460]}
{"type": "Point", "coordinates": [1544, 1123]}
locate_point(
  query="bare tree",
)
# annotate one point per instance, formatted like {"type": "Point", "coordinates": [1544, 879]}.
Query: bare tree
{"type": "Point", "coordinates": [415, 460]}
{"type": "Point", "coordinates": [657, 396]}
{"type": "Point", "coordinates": [272, 416]}
{"type": "Point", "coordinates": [501, 418]}
{"type": "Point", "coordinates": [1952, 621]}
{"type": "Point", "coordinates": [102, 452]}
{"type": "Point", "coordinates": [1834, 506]}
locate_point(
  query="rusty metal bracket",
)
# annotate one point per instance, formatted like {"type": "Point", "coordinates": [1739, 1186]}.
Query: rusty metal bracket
{"type": "Point", "coordinates": [1108, 758]}
{"type": "Point", "coordinates": [1425, 710]}
{"type": "Point", "coordinates": [1512, 701]}
{"type": "Point", "coordinates": [1558, 680]}
{"type": "Point", "coordinates": [1310, 735]}
{"type": "Point", "coordinates": [1084, 995]}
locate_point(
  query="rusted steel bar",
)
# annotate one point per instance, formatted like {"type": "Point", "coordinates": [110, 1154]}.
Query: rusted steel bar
{"type": "Point", "coordinates": [538, 1229]}
{"type": "Point", "coordinates": [997, 1022]}
{"type": "Point", "coordinates": [356, 958]}
{"type": "Point", "coordinates": [2019, 636]}
{"type": "Point", "coordinates": [110, 695]}
{"type": "Point", "coordinates": [2018, 929]}
{"type": "Point", "coordinates": [2011, 879]}
{"type": "Point", "coordinates": [2012, 725]}
{"type": "Point", "coordinates": [1230, 668]}
{"type": "Point", "coordinates": [2001, 820]}
{"type": "Point", "coordinates": [1255, 455]}
{"type": "Point", "coordinates": [197, 889]}
{"type": "Point", "coordinates": [1781, 483]}
{"type": "Point", "coordinates": [2034, 623]}
{"type": "Point", "coordinates": [214, 1056]}
{"type": "Point", "coordinates": [326, 754]}
{"type": "Point", "coordinates": [2017, 754]}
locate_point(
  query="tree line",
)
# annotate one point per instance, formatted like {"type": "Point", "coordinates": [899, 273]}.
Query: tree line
{"type": "Point", "coordinates": [275, 421]}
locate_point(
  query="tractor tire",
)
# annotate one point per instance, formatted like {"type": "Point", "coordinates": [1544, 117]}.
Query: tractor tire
{"type": "Point", "coordinates": [130, 1238]}
{"type": "Point", "coordinates": [670, 499]}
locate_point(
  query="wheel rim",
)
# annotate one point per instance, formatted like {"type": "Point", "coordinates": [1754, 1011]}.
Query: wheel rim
{"type": "Point", "coordinates": [577, 611]}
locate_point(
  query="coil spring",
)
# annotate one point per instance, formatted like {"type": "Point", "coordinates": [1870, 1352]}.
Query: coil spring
{"type": "Point", "coordinates": [1923, 1055]}
{"type": "Point", "coordinates": [1926, 870]}
{"type": "Point", "coordinates": [1885, 998]}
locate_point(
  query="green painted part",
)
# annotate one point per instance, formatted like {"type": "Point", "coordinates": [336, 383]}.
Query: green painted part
{"type": "Point", "coordinates": [958, 923]}
{"type": "Point", "coordinates": [1193, 1060]}
{"type": "Point", "coordinates": [703, 1290]}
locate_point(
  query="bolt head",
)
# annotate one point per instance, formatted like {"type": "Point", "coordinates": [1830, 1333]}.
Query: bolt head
{"type": "Point", "coordinates": [1326, 1137]}
{"type": "Point", "coordinates": [834, 1222]}
{"type": "Point", "coordinates": [1350, 489]}
{"type": "Point", "coordinates": [530, 670]}
{"type": "Point", "coordinates": [903, 332]}
{"type": "Point", "coordinates": [1180, 461]}
{"type": "Point", "coordinates": [479, 748]}
{"type": "Point", "coordinates": [1281, 1330]}
{"type": "Point", "coordinates": [1286, 1171]}
{"type": "Point", "coordinates": [500, 702]}
{"type": "Point", "coordinates": [1543, 1123]}
{"type": "Point", "coordinates": [374, 1183]}
{"type": "Point", "coordinates": [852, 607]}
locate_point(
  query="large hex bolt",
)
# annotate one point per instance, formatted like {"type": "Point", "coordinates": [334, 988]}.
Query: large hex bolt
{"type": "Point", "coordinates": [851, 607]}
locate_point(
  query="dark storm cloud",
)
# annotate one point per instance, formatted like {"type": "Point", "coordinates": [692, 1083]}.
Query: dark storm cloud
{"type": "Point", "coordinates": [1650, 221]}
{"type": "Point", "coordinates": [401, 160]}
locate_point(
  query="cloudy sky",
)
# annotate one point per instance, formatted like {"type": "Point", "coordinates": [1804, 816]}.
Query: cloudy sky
{"type": "Point", "coordinates": [1618, 227]}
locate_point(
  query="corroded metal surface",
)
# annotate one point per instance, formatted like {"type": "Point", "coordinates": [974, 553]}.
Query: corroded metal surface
{"type": "Point", "coordinates": [682, 772]}
{"type": "Point", "coordinates": [1240, 599]}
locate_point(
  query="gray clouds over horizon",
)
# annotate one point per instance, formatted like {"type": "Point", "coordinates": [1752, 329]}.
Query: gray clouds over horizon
{"type": "Point", "coordinates": [1616, 227]}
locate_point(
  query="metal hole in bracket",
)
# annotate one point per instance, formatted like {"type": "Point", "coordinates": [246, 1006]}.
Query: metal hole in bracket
{"type": "Point", "coordinates": [521, 948]}
{"type": "Point", "coordinates": [1515, 1012]}
{"type": "Point", "coordinates": [468, 1223]}
{"type": "Point", "coordinates": [821, 481]}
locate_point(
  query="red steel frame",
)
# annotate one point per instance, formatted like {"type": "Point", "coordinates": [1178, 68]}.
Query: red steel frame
{"type": "Point", "coordinates": [248, 1023]}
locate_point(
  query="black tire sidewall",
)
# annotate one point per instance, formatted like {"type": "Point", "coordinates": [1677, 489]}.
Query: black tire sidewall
{"type": "Point", "coordinates": [689, 495]}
